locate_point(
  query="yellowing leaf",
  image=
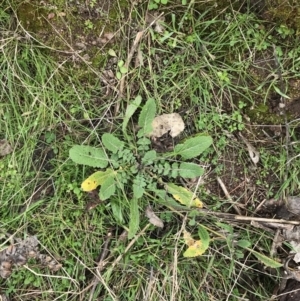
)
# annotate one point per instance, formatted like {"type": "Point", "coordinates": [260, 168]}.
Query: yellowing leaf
{"type": "Point", "coordinates": [183, 195]}
{"type": "Point", "coordinates": [188, 239]}
{"type": "Point", "coordinates": [96, 179]}
{"type": "Point", "coordinates": [196, 249]}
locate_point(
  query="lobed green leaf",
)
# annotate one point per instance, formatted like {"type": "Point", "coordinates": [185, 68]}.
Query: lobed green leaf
{"type": "Point", "coordinates": [193, 147]}
{"type": "Point", "coordinates": [149, 157]}
{"type": "Point", "coordinates": [130, 111]}
{"type": "Point", "coordinates": [112, 143]}
{"type": "Point", "coordinates": [146, 117]}
{"type": "Point", "coordinates": [88, 155]}
{"type": "Point", "coordinates": [190, 170]}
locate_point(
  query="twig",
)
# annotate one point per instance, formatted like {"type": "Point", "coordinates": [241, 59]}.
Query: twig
{"type": "Point", "coordinates": [236, 208]}
{"type": "Point", "coordinates": [100, 265]}
{"type": "Point", "coordinates": [230, 216]}
{"type": "Point", "coordinates": [274, 246]}
{"type": "Point", "coordinates": [129, 246]}
{"type": "Point", "coordinates": [50, 276]}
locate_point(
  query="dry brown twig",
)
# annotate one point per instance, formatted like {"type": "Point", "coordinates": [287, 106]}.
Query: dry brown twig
{"type": "Point", "coordinates": [235, 207]}
{"type": "Point", "coordinates": [240, 218]}
{"type": "Point", "coordinates": [102, 263]}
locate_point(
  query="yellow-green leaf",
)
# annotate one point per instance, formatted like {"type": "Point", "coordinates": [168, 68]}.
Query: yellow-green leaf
{"type": "Point", "coordinates": [188, 239]}
{"type": "Point", "coordinates": [96, 179]}
{"type": "Point", "coordinates": [183, 195]}
{"type": "Point", "coordinates": [196, 249]}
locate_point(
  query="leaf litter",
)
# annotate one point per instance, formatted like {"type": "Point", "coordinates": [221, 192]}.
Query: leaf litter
{"type": "Point", "coordinates": [167, 123]}
{"type": "Point", "coordinates": [153, 218]}
{"type": "Point", "coordinates": [17, 255]}
{"type": "Point", "coordinates": [5, 148]}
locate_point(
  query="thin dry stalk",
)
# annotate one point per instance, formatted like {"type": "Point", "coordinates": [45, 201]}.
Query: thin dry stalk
{"type": "Point", "coordinates": [134, 46]}
{"type": "Point", "coordinates": [233, 217]}
{"type": "Point", "coordinates": [235, 207]}
{"type": "Point", "coordinates": [100, 266]}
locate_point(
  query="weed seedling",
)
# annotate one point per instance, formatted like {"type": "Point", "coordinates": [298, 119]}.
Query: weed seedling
{"type": "Point", "coordinates": [134, 165]}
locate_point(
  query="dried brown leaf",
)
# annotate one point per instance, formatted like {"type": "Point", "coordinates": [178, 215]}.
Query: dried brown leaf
{"type": "Point", "coordinates": [167, 123]}
{"type": "Point", "coordinates": [5, 148]}
{"type": "Point", "coordinates": [153, 218]}
{"type": "Point", "coordinates": [293, 204]}
{"type": "Point", "coordinates": [18, 254]}
{"type": "Point", "coordinates": [156, 21]}
{"type": "Point", "coordinates": [51, 16]}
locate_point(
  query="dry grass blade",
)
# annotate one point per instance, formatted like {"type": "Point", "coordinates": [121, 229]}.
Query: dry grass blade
{"type": "Point", "coordinates": [134, 46]}
{"type": "Point", "coordinates": [236, 208]}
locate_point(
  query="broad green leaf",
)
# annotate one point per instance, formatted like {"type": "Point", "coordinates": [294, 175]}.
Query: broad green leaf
{"type": "Point", "coordinates": [146, 117]}
{"type": "Point", "coordinates": [149, 157]}
{"type": "Point", "coordinates": [121, 63]}
{"type": "Point", "coordinates": [88, 155]}
{"type": "Point", "coordinates": [108, 188]}
{"type": "Point", "coordinates": [118, 75]}
{"type": "Point", "coordinates": [112, 143]}
{"type": "Point", "coordinates": [269, 262]}
{"type": "Point", "coordinates": [204, 236]}
{"type": "Point", "coordinates": [138, 190]}
{"type": "Point", "coordinates": [183, 195]}
{"type": "Point", "coordinates": [244, 243]}
{"type": "Point", "coordinates": [134, 221]}
{"type": "Point", "coordinates": [111, 52]}
{"type": "Point", "coordinates": [193, 147]}
{"type": "Point", "coordinates": [123, 70]}
{"type": "Point", "coordinates": [190, 170]}
{"type": "Point", "coordinates": [96, 179]}
{"type": "Point", "coordinates": [132, 107]}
